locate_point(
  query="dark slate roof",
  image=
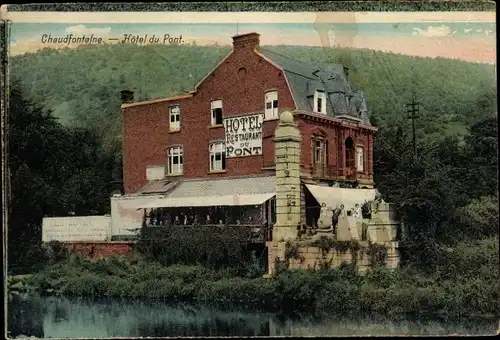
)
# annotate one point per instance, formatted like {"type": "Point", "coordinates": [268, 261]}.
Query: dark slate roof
{"type": "Point", "coordinates": [305, 79]}
{"type": "Point", "coordinates": [158, 187]}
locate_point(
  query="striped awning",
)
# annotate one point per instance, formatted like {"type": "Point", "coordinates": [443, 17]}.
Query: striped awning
{"type": "Point", "coordinates": [333, 197]}
{"type": "Point", "coordinates": [209, 201]}
{"type": "Point", "coordinates": [218, 192]}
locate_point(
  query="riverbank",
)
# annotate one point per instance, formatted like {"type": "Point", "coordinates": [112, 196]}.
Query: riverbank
{"type": "Point", "coordinates": [467, 285]}
{"type": "Point", "coordinates": [17, 284]}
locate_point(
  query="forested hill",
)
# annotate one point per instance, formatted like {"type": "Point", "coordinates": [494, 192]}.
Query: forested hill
{"type": "Point", "coordinates": [82, 85]}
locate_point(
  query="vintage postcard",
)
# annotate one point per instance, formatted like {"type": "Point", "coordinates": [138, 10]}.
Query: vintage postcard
{"type": "Point", "coordinates": [250, 170]}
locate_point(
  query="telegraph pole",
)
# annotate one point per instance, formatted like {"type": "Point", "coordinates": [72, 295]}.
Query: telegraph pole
{"type": "Point", "coordinates": [413, 110]}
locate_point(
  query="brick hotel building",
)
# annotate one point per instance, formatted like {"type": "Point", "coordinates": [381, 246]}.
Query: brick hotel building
{"type": "Point", "coordinates": [213, 150]}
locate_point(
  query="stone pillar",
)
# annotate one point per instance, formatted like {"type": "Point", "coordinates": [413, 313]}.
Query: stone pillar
{"type": "Point", "coordinates": [302, 206]}
{"type": "Point", "coordinates": [287, 145]}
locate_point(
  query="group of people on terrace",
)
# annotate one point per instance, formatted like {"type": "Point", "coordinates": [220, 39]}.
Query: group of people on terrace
{"type": "Point", "coordinates": [170, 217]}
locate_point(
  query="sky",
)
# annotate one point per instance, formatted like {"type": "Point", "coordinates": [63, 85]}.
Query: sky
{"type": "Point", "coordinates": [456, 38]}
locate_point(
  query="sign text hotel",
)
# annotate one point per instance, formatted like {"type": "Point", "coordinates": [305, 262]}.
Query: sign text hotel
{"type": "Point", "coordinates": [243, 135]}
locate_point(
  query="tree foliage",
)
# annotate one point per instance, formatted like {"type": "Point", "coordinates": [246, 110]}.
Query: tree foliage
{"type": "Point", "coordinates": [441, 189]}
{"type": "Point", "coordinates": [55, 171]}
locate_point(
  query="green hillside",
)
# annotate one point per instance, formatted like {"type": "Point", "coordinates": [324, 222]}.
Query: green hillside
{"type": "Point", "coordinates": [82, 85]}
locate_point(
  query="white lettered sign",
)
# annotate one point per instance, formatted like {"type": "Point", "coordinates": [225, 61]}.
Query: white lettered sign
{"type": "Point", "coordinates": [243, 135]}
{"type": "Point", "coordinates": [81, 228]}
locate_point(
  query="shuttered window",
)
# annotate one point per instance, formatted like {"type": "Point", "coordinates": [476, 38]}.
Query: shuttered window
{"type": "Point", "coordinates": [271, 104]}
{"type": "Point", "coordinates": [175, 118]}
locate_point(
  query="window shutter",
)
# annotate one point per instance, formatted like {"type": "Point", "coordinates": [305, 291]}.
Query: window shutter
{"type": "Point", "coordinates": [313, 142]}
{"type": "Point", "coordinates": [326, 152]}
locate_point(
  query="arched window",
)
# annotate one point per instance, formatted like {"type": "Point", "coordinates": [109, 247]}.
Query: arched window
{"type": "Point", "coordinates": [319, 150]}
{"type": "Point", "coordinates": [319, 154]}
{"type": "Point", "coordinates": [350, 153]}
{"type": "Point", "coordinates": [175, 161]}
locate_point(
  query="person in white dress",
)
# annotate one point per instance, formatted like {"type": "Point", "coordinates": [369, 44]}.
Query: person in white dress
{"type": "Point", "coordinates": [358, 212]}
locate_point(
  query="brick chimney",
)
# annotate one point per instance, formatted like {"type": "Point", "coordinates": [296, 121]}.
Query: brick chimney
{"type": "Point", "coordinates": [249, 40]}
{"type": "Point", "coordinates": [127, 96]}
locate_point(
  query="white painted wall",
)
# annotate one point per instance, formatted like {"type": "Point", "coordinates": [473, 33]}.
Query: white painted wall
{"type": "Point", "coordinates": [125, 214]}
{"type": "Point", "coordinates": [82, 228]}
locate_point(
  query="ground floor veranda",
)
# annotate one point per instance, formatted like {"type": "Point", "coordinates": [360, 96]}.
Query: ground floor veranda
{"type": "Point", "coordinates": [244, 201]}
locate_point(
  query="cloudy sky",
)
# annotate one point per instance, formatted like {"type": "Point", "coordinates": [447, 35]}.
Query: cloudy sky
{"type": "Point", "coordinates": [457, 39]}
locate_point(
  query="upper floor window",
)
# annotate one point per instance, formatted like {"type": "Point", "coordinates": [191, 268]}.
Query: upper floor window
{"type": "Point", "coordinates": [271, 105]}
{"type": "Point", "coordinates": [175, 118]}
{"type": "Point", "coordinates": [217, 156]}
{"type": "Point", "coordinates": [360, 155]}
{"type": "Point", "coordinates": [319, 150]}
{"type": "Point", "coordinates": [216, 106]}
{"type": "Point", "coordinates": [320, 102]}
{"type": "Point", "coordinates": [175, 161]}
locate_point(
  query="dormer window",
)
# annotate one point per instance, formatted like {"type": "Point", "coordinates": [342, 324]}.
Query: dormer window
{"type": "Point", "coordinates": [175, 118]}
{"type": "Point", "coordinates": [271, 105]}
{"type": "Point", "coordinates": [348, 101]}
{"type": "Point", "coordinates": [320, 102]}
{"type": "Point", "coordinates": [216, 106]}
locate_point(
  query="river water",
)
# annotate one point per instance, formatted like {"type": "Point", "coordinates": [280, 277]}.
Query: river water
{"type": "Point", "coordinates": [59, 317]}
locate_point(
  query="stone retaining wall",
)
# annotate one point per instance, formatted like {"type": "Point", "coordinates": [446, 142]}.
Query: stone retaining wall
{"type": "Point", "coordinates": [312, 257]}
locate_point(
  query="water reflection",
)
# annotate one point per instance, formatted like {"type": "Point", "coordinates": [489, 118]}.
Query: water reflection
{"type": "Point", "coordinates": [58, 317]}
{"type": "Point", "coordinates": [25, 316]}
{"type": "Point", "coordinates": [381, 327]}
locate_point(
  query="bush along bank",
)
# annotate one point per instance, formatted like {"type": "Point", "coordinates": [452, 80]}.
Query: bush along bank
{"type": "Point", "coordinates": [453, 292]}
{"type": "Point", "coordinates": [17, 284]}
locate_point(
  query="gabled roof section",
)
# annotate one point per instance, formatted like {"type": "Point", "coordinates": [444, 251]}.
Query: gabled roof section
{"type": "Point", "coordinates": [291, 65]}
{"type": "Point", "coordinates": [213, 70]}
{"type": "Point", "coordinates": [306, 79]}
{"type": "Point", "coordinates": [155, 101]}
{"type": "Point", "coordinates": [191, 93]}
